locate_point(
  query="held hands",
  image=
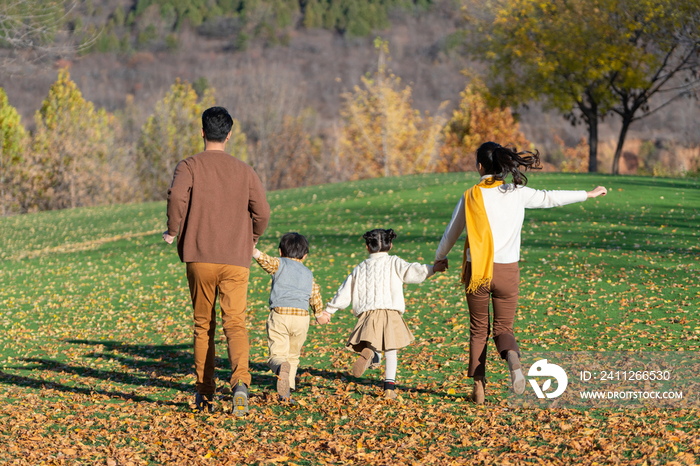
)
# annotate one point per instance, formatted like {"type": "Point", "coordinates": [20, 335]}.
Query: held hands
{"type": "Point", "coordinates": [167, 238]}
{"type": "Point", "coordinates": [441, 265]}
{"type": "Point", "coordinates": [598, 191]}
{"type": "Point", "coordinates": [324, 318]}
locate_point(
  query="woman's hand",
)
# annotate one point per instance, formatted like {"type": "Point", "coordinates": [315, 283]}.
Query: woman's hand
{"type": "Point", "coordinates": [324, 318]}
{"type": "Point", "coordinates": [598, 191]}
{"type": "Point", "coordinates": [440, 266]}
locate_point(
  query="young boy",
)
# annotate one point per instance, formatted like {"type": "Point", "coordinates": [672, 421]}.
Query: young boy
{"type": "Point", "coordinates": [292, 291]}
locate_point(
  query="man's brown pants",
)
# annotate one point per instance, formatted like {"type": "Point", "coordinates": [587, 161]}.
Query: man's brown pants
{"type": "Point", "coordinates": [504, 294]}
{"type": "Point", "coordinates": [230, 282]}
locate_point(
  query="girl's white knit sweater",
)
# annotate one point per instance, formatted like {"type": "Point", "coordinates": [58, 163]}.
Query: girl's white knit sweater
{"type": "Point", "coordinates": [377, 283]}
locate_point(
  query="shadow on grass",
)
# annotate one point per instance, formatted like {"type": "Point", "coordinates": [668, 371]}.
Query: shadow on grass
{"type": "Point", "coordinates": [30, 382]}
{"type": "Point", "coordinates": [147, 373]}
{"type": "Point", "coordinates": [371, 381]}
{"type": "Point", "coordinates": [142, 368]}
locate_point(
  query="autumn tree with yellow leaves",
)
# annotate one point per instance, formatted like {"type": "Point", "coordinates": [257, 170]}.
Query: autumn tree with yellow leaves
{"type": "Point", "coordinates": [70, 163]}
{"type": "Point", "coordinates": [473, 123]}
{"type": "Point", "coordinates": [383, 135]}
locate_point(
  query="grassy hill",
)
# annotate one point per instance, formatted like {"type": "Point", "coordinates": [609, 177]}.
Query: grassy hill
{"type": "Point", "coordinates": [95, 353]}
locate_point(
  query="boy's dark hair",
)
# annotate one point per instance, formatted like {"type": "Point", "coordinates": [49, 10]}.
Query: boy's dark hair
{"type": "Point", "coordinates": [501, 161]}
{"type": "Point", "coordinates": [379, 240]}
{"type": "Point", "coordinates": [216, 123]}
{"type": "Point", "coordinates": [294, 245]}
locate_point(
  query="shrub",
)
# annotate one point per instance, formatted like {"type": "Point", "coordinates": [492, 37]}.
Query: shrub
{"type": "Point", "coordinates": [12, 140]}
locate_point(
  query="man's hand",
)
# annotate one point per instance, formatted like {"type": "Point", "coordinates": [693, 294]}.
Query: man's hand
{"type": "Point", "coordinates": [324, 318]}
{"type": "Point", "coordinates": [167, 238]}
{"type": "Point", "coordinates": [441, 265]}
{"type": "Point", "coordinates": [598, 191]}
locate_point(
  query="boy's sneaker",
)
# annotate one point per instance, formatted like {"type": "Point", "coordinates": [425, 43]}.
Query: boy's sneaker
{"type": "Point", "coordinates": [204, 403]}
{"type": "Point", "coordinates": [517, 378]}
{"type": "Point", "coordinates": [362, 363]}
{"type": "Point", "coordinates": [240, 399]}
{"type": "Point", "coordinates": [283, 381]}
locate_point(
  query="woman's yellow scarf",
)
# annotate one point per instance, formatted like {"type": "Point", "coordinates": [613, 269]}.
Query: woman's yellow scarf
{"type": "Point", "coordinates": [479, 238]}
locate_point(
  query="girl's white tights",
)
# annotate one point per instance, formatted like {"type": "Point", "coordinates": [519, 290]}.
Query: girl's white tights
{"type": "Point", "coordinates": [391, 362]}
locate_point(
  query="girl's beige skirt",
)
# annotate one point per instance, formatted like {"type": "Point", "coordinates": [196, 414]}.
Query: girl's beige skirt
{"type": "Point", "coordinates": [380, 330]}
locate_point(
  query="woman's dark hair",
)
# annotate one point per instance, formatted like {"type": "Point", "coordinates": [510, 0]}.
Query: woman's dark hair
{"type": "Point", "coordinates": [216, 123]}
{"type": "Point", "coordinates": [379, 240]}
{"type": "Point", "coordinates": [294, 245]}
{"type": "Point", "coordinates": [502, 161]}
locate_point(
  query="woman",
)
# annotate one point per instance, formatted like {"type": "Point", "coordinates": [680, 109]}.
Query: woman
{"type": "Point", "coordinates": [493, 214]}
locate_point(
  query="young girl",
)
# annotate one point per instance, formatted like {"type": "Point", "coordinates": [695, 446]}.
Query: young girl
{"type": "Point", "coordinates": [375, 290]}
{"type": "Point", "coordinates": [493, 214]}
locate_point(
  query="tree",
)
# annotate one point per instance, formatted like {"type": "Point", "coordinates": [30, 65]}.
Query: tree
{"type": "Point", "coordinates": [28, 28]}
{"type": "Point", "coordinates": [289, 158]}
{"type": "Point", "coordinates": [383, 134]}
{"type": "Point", "coordinates": [12, 140]}
{"type": "Point", "coordinates": [473, 123]}
{"type": "Point", "coordinates": [588, 58]}
{"type": "Point", "coordinates": [662, 60]}
{"type": "Point", "coordinates": [272, 108]}
{"type": "Point", "coordinates": [69, 165]}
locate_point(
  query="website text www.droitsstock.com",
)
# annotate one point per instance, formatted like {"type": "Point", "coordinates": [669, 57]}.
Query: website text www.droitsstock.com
{"type": "Point", "coordinates": [588, 379]}
{"type": "Point", "coordinates": [631, 395]}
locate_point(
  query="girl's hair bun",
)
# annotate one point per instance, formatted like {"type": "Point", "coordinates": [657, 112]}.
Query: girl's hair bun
{"type": "Point", "coordinates": [379, 240]}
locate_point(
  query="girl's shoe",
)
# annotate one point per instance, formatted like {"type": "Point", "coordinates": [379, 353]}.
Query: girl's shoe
{"type": "Point", "coordinates": [390, 395]}
{"type": "Point", "coordinates": [362, 363]}
{"type": "Point", "coordinates": [376, 360]}
{"type": "Point", "coordinates": [478, 395]}
{"type": "Point", "coordinates": [517, 378]}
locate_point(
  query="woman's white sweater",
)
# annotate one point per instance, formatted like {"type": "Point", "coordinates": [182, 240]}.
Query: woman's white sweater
{"type": "Point", "coordinates": [505, 209]}
{"type": "Point", "coordinates": [377, 283]}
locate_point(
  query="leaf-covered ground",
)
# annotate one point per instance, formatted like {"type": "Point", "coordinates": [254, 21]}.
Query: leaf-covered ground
{"type": "Point", "coordinates": [95, 347]}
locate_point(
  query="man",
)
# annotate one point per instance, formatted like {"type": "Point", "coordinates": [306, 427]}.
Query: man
{"type": "Point", "coordinates": [217, 208]}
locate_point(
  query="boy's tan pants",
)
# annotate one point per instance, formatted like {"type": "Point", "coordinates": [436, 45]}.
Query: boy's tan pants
{"type": "Point", "coordinates": [285, 337]}
{"type": "Point", "coordinates": [230, 282]}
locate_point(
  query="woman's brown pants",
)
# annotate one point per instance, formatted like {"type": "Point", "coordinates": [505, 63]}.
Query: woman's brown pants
{"type": "Point", "coordinates": [504, 294]}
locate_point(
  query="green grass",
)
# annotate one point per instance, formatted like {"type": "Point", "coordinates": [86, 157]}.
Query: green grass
{"type": "Point", "coordinates": [95, 348]}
